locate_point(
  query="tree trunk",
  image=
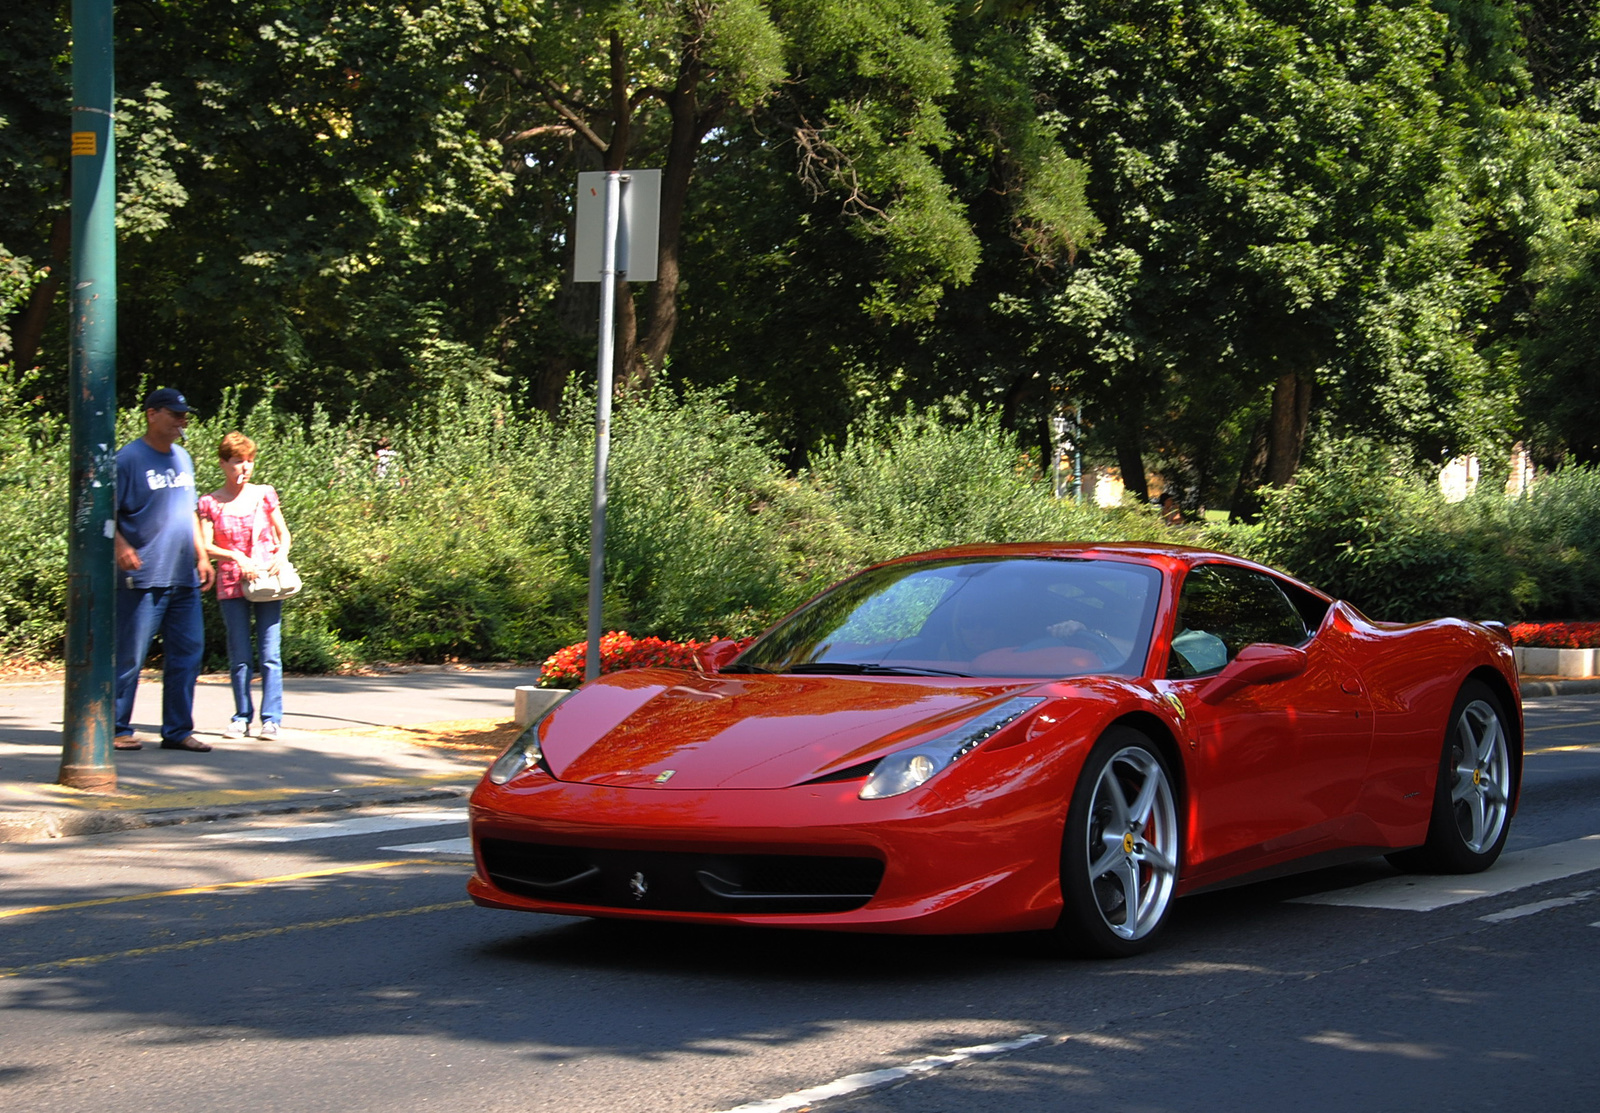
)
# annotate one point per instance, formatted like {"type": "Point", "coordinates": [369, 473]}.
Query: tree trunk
{"type": "Point", "coordinates": [29, 333]}
{"type": "Point", "coordinates": [1245, 506]}
{"type": "Point", "coordinates": [1130, 461]}
{"type": "Point", "coordinates": [689, 127]}
{"type": "Point", "coordinates": [649, 354]}
{"type": "Point", "coordinates": [1286, 435]}
{"type": "Point", "coordinates": [625, 354]}
{"type": "Point", "coordinates": [616, 152]}
{"type": "Point", "coordinates": [1029, 389]}
{"type": "Point", "coordinates": [551, 383]}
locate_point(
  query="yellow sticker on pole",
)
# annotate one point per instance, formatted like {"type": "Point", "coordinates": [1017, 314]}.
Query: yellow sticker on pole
{"type": "Point", "coordinates": [83, 143]}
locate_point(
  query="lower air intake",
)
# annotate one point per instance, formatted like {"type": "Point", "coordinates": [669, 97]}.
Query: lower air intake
{"type": "Point", "coordinates": [672, 881]}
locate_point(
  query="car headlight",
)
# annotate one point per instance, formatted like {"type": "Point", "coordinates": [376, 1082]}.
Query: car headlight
{"type": "Point", "coordinates": [521, 755]}
{"type": "Point", "coordinates": [905, 770]}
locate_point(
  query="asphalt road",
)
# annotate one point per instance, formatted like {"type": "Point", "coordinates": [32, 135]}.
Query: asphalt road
{"type": "Point", "coordinates": [200, 968]}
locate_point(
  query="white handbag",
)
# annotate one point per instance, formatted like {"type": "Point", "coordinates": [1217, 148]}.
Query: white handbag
{"type": "Point", "coordinates": [264, 589]}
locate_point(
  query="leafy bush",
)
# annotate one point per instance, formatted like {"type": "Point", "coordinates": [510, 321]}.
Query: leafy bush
{"type": "Point", "coordinates": [1358, 525]}
{"type": "Point", "coordinates": [34, 492]}
{"type": "Point", "coordinates": [1552, 544]}
{"type": "Point", "coordinates": [474, 543]}
{"type": "Point", "coordinates": [921, 481]}
{"type": "Point", "coordinates": [704, 531]}
{"type": "Point", "coordinates": [1364, 526]}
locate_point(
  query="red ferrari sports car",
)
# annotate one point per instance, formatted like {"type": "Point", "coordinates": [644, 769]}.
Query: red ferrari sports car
{"type": "Point", "coordinates": [993, 738]}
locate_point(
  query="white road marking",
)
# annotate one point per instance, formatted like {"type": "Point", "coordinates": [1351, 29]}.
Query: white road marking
{"type": "Point", "coordinates": [359, 825]}
{"type": "Point", "coordinates": [443, 846]}
{"type": "Point", "coordinates": [876, 1079]}
{"type": "Point", "coordinates": [1537, 906]}
{"type": "Point", "coordinates": [1512, 872]}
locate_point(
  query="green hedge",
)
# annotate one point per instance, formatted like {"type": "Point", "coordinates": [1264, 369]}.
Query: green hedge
{"type": "Point", "coordinates": [475, 545]}
{"type": "Point", "coordinates": [1362, 525]}
{"type": "Point", "coordinates": [33, 531]}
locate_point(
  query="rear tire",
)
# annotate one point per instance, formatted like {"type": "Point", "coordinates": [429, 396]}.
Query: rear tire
{"type": "Point", "coordinates": [1472, 800]}
{"type": "Point", "coordinates": [1120, 850]}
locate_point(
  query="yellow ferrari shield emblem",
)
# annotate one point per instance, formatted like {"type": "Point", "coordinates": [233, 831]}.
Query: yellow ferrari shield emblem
{"type": "Point", "coordinates": [1177, 705]}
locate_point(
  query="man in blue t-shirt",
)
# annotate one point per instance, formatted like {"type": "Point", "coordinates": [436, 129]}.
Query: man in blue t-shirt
{"type": "Point", "coordinates": [162, 568]}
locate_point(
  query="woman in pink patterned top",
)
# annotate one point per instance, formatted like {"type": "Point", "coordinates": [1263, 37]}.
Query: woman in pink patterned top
{"type": "Point", "coordinates": [246, 535]}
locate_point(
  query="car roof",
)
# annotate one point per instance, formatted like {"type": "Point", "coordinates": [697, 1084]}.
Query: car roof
{"type": "Point", "coordinates": [1169, 558]}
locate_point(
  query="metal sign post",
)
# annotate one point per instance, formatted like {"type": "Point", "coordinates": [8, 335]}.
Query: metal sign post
{"type": "Point", "coordinates": [87, 724]}
{"type": "Point", "coordinates": [1066, 433]}
{"type": "Point", "coordinates": [626, 246]}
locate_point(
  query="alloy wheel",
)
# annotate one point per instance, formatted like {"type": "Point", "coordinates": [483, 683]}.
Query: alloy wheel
{"type": "Point", "coordinates": [1480, 761]}
{"type": "Point", "coordinates": [1132, 843]}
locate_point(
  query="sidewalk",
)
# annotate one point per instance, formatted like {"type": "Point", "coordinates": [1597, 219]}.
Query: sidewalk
{"type": "Point", "coordinates": [414, 733]}
{"type": "Point", "coordinates": [418, 733]}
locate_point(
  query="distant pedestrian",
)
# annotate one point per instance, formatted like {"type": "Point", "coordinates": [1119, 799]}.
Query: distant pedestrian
{"type": "Point", "coordinates": [243, 529]}
{"type": "Point", "coordinates": [386, 458]}
{"type": "Point", "coordinates": [162, 568]}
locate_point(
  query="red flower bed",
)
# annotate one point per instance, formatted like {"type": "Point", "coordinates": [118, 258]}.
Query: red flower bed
{"type": "Point", "coordinates": [620, 650]}
{"type": "Point", "coordinates": [1557, 635]}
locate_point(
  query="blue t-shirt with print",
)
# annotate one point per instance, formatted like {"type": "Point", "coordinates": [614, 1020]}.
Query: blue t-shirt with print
{"type": "Point", "coordinates": [155, 514]}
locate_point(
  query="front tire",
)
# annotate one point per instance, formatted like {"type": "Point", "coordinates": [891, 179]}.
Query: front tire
{"type": "Point", "coordinates": [1119, 854]}
{"type": "Point", "coordinates": [1472, 800]}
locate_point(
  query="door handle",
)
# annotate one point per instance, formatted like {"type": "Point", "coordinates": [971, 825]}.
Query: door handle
{"type": "Point", "coordinates": [1350, 686]}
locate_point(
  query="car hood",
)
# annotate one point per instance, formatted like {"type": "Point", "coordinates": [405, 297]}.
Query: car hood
{"type": "Point", "coordinates": [682, 730]}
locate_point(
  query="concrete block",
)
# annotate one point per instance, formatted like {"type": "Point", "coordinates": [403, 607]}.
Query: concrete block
{"type": "Point", "coordinates": [1571, 663]}
{"type": "Point", "coordinates": [534, 702]}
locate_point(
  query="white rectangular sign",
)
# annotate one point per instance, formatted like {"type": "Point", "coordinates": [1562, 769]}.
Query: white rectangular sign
{"type": "Point", "coordinates": [638, 229]}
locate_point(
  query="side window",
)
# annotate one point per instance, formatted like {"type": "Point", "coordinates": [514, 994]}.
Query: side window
{"type": "Point", "coordinates": [1223, 609]}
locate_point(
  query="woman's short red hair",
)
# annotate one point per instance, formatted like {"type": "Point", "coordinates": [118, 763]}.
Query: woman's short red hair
{"type": "Point", "coordinates": [236, 446]}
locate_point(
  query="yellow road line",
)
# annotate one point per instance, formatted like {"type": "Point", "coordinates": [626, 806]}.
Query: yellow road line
{"type": "Point", "coordinates": [1564, 726]}
{"type": "Point", "coordinates": [1588, 748]}
{"type": "Point", "coordinates": [219, 886]}
{"type": "Point", "coordinates": [235, 937]}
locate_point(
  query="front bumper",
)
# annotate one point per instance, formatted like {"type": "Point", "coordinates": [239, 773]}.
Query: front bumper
{"type": "Point", "coordinates": [990, 864]}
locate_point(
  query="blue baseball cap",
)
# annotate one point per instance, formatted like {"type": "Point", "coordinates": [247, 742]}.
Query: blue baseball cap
{"type": "Point", "coordinates": [165, 398]}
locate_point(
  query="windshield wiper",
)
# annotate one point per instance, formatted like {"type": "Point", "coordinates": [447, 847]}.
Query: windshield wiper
{"type": "Point", "coordinates": [744, 668]}
{"type": "Point", "coordinates": [855, 668]}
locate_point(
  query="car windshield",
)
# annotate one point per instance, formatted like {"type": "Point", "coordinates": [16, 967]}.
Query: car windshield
{"type": "Point", "coordinates": [975, 617]}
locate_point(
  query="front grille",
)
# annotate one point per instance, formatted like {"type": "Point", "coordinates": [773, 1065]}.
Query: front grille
{"type": "Point", "coordinates": [672, 881]}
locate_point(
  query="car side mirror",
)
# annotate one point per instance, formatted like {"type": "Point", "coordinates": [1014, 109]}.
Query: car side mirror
{"type": "Point", "coordinates": [1261, 663]}
{"type": "Point", "coordinates": [713, 656]}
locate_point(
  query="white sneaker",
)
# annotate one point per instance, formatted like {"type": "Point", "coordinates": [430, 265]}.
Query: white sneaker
{"type": "Point", "coordinates": [237, 728]}
{"type": "Point", "coordinates": [268, 730]}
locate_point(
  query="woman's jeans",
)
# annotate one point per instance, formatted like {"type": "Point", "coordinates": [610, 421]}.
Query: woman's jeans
{"type": "Point", "coordinates": [236, 616]}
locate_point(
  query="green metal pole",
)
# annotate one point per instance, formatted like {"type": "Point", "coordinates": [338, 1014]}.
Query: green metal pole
{"type": "Point", "coordinates": [88, 719]}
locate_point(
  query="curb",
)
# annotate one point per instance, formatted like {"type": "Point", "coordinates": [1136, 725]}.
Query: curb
{"type": "Point", "coordinates": [1587, 686]}
{"type": "Point", "coordinates": [42, 825]}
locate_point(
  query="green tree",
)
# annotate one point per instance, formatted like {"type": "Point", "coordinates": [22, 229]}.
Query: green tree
{"type": "Point", "coordinates": [853, 95]}
{"type": "Point", "coordinates": [34, 221]}
{"type": "Point", "coordinates": [1286, 232]}
{"type": "Point", "coordinates": [306, 205]}
{"type": "Point", "coordinates": [1559, 369]}
{"type": "Point", "coordinates": [821, 300]}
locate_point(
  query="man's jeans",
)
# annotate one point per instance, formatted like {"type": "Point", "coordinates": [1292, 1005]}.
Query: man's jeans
{"type": "Point", "coordinates": [236, 615]}
{"type": "Point", "coordinates": [175, 613]}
